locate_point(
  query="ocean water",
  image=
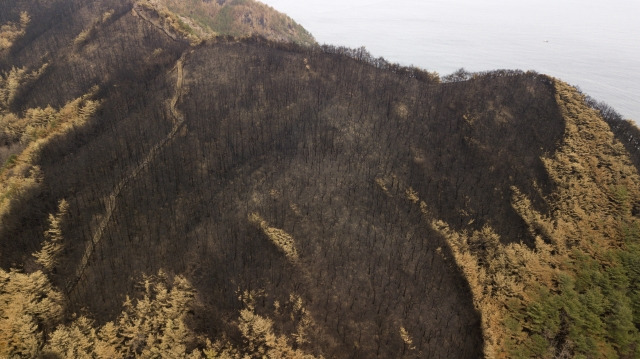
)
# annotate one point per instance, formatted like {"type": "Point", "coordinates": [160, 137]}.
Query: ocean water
{"type": "Point", "coordinates": [594, 45]}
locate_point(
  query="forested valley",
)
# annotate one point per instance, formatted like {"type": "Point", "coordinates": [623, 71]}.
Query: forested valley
{"type": "Point", "coordinates": [167, 191]}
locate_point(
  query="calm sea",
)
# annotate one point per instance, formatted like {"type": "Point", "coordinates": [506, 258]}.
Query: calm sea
{"type": "Point", "coordinates": [592, 44]}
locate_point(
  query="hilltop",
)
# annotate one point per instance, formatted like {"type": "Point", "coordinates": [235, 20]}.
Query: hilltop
{"type": "Point", "coordinates": [238, 18]}
{"type": "Point", "coordinates": [198, 20]}
{"type": "Point", "coordinates": [169, 190]}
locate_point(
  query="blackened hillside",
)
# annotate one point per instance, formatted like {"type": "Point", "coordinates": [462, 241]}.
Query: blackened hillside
{"type": "Point", "coordinates": [288, 171]}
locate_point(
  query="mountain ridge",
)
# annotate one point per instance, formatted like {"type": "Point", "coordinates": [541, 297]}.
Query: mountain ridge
{"type": "Point", "coordinates": [198, 20]}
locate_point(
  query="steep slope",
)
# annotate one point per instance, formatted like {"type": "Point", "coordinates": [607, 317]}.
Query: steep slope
{"type": "Point", "coordinates": [411, 217]}
{"type": "Point", "coordinates": [579, 294]}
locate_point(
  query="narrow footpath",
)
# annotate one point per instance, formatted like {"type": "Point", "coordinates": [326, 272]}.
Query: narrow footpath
{"type": "Point", "coordinates": [110, 205]}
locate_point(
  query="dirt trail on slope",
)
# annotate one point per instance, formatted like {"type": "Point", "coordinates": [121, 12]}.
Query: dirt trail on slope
{"type": "Point", "coordinates": [178, 121]}
{"type": "Point", "coordinates": [153, 19]}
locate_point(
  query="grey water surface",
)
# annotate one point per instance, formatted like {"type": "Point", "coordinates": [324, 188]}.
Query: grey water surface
{"type": "Point", "coordinates": [594, 45]}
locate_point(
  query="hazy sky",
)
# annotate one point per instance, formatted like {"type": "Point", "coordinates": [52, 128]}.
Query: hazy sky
{"type": "Point", "coordinates": [594, 44]}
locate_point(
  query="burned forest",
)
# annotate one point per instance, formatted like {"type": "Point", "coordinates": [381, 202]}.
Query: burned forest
{"type": "Point", "coordinates": [171, 192]}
